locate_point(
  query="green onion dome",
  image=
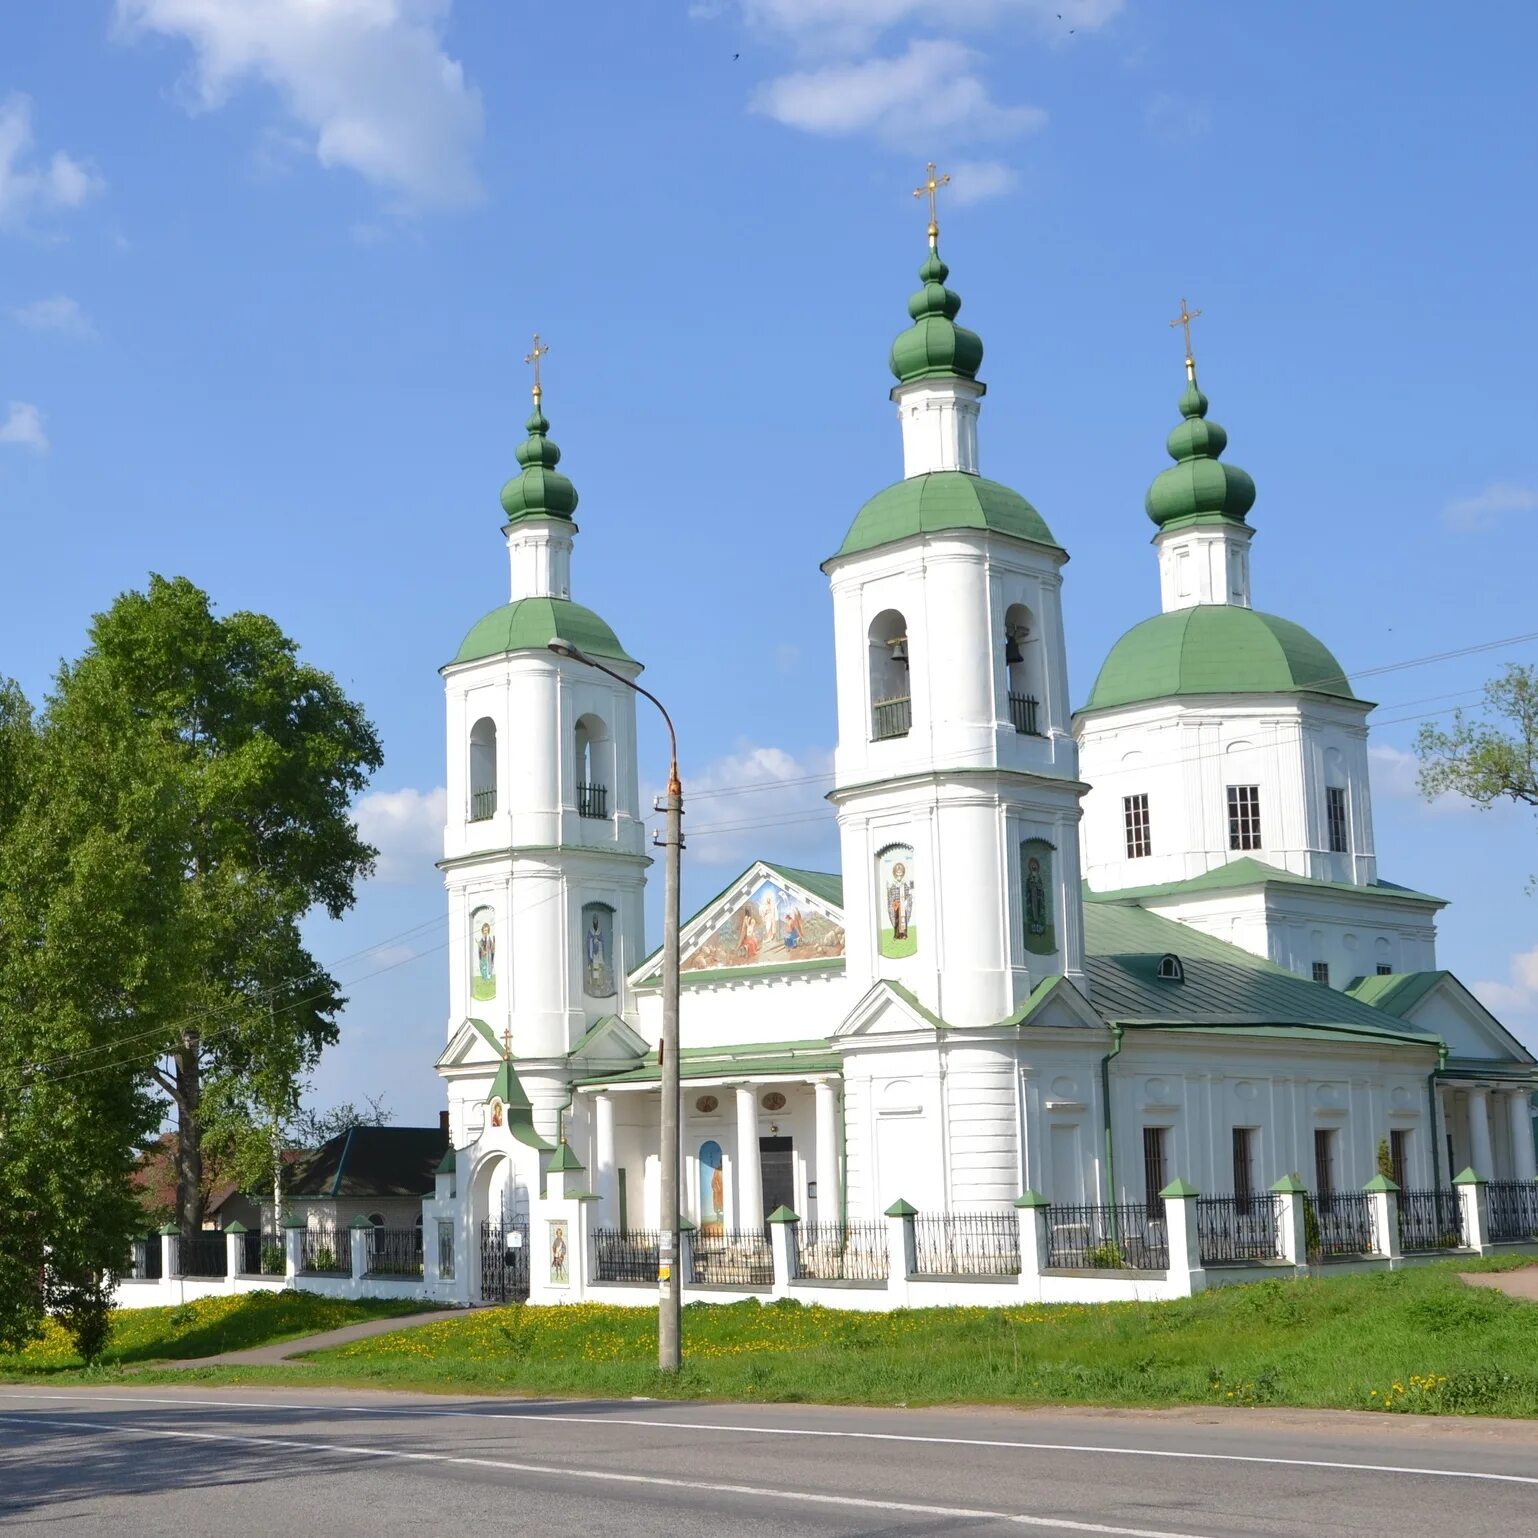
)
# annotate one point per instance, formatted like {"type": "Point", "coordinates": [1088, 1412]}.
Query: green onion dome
{"type": "Point", "coordinates": [1197, 486]}
{"type": "Point", "coordinates": [934, 346]}
{"type": "Point", "coordinates": [531, 624]}
{"type": "Point", "coordinates": [539, 490]}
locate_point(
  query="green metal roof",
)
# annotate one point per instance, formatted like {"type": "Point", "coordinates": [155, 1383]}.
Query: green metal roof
{"type": "Point", "coordinates": [531, 624]}
{"type": "Point", "coordinates": [539, 490]}
{"type": "Point", "coordinates": [1245, 872]}
{"type": "Point", "coordinates": [1215, 648]}
{"type": "Point", "coordinates": [1223, 987]}
{"type": "Point", "coordinates": [1396, 993]}
{"type": "Point", "coordinates": [940, 500]}
{"type": "Point", "coordinates": [1197, 488]}
{"type": "Point", "coordinates": [934, 346]}
{"type": "Point", "coordinates": [813, 1056]}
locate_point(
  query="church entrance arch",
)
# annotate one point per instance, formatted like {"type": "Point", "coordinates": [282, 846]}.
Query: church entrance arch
{"type": "Point", "coordinates": [502, 1227]}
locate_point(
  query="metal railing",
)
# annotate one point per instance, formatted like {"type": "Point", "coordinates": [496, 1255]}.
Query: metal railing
{"type": "Point", "coordinates": [445, 1249]}
{"type": "Point", "coordinates": [592, 800]}
{"type": "Point", "coordinates": [843, 1252]}
{"type": "Point", "coordinates": [483, 804]}
{"type": "Point", "coordinates": [1513, 1210]}
{"type": "Point", "coordinates": [722, 1258]}
{"type": "Point", "coordinates": [205, 1253]}
{"type": "Point", "coordinates": [153, 1261]}
{"type": "Point", "coordinates": [1022, 712]}
{"type": "Point", "coordinates": [967, 1244]}
{"type": "Point", "coordinates": [1231, 1228]}
{"type": "Point", "coordinates": [395, 1252]}
{"type": "Point", "coordinates": [1095, 1237]}
{"type": "Point", "coordinates": [324, 1252]}
{"type": "Point", "coordinates": [621, 1256]}
{"type": "Point", "coordinates": [1338, 1224]}
{"type": "Point", "coordinates": [891, 718]}
{"type": "Point", "coordinates": [1431, 1220]}
{"type": "Point", "coordinates": [251, 1252]}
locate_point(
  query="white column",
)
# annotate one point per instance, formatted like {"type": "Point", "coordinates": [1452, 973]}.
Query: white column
{"type": "Point", "coordinates": [1481, 1155]}
{"type": "Point", "coordinates": [603, 1161]}
{"type": "Point", "coordinates": [1519, 1109]}
{"type": "Point", "coordinates": [829, 1208]}
{"type": "Point", "coordinates": [750, 1181]}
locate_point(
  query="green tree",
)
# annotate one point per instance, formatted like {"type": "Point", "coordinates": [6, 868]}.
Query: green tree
{"type": "Point", "coordinates": [1491, 755]}
{"type": "Point", "coordinates": [228, 766]}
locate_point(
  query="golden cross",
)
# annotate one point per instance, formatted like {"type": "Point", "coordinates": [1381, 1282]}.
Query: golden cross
{"type": "Point", "coordinates": [507, 1043]}
{"type": "Point", "coordinates": [932, 185]}
{"type": "Point", "coordinates": [540, 349]}
{"type": "Point", "coordinates": [1184, 319]}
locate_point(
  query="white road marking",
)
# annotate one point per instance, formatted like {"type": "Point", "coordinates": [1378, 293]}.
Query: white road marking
{"type": "Point", "coordinates": [775, 1493]}
{"type": "Point", "coordinates": [540, 1416]}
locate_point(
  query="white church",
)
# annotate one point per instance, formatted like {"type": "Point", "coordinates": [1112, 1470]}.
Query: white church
{"type": "Point", "coordinates": [1076, 949]}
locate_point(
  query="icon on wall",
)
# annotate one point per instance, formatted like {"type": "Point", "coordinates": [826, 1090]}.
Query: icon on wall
{"type": "Point", "coordinates": [1036, 882]}
{"type": "Point", "coordinates": [483, 963]}
{"type": "Point", "coordinates": [895, 872]}
{"type": "Point", "coordinates": [598, 951]}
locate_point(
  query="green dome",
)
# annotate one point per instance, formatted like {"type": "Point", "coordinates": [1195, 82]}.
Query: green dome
{"type": "Point", "coordinates": [539, 490]}
{"type": "Point", "coordinates": [943, 499]}
{"type": "Point", "coordinates": [934, 346]}
{"type": "Point", "coordinates": [531, 624]}
{"type": "Point", "coordinates": [1216, 648]}
{"type": "Point", "coordinates": [1196, 486]}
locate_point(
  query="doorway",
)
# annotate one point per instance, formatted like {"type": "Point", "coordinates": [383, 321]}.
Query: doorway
{"type": "Point", "coordinates": [779, 1173]}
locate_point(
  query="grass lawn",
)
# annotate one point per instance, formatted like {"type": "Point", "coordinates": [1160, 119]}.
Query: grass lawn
{"type": "Point", "coordinates": [204, 1328]}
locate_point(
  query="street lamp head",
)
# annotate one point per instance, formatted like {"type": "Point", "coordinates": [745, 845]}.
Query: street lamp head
{"type": "Point", "coordinates": [565, 649]}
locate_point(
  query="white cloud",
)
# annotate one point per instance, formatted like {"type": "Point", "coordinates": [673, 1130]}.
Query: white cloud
{"type": "Point", "coordinates": [933, 89]}
{"type": "Point", "coordinates": [1518, 996]}
{"type": "Point", "coordinates": [30, 186]}
{"type": "Point", "coordinates": [367, 81]}
{"type": "Point", "coordinates": [975, 181]}
{"type": "Point", "coordinates": [1485, 509]}
{"type": "Point", "coordinates": [406, 826]}
{"type": "Point", "coordinates": [853, 26]}
{"type": "Point", "coordinates": [1396, 776]}
{"type": "Point", "coordinates": [760, 802]}
{"type": "Point", "coordinates": [59, 313]}
{"type": "Point", "coordinates": [23, 426]}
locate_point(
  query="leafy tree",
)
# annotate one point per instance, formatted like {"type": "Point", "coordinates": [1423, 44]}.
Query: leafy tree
{"type": "Point", "coordinates": [227, 766]}
{"type": "Point", "coordinates": [1492, 755]}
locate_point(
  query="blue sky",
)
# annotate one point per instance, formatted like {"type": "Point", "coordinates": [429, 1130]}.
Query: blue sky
{"type": "Point", "coordinates": [268, 270]}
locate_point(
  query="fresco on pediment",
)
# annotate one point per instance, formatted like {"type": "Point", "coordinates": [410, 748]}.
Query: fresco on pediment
{"type": "Point", "coordinates": [771, 925]}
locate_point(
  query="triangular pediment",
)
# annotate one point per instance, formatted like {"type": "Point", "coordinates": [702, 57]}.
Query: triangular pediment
{"type": "Point", "coordinates": [1449, 1010]}
{"type": "Point", "coordinates": [769, 919]}
{"type": "Point", "coordinates": [888, 1009]}
{"type": "Point", "coordinates": [472, 1043]}
{"type": "Point", "coordinates": [608, 1042]}
{"type": "Point", "coordinates": [1056, 1003]}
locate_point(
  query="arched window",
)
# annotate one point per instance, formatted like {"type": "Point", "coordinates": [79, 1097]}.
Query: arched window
{"type": "Point", "coordinates": [377, 1219]}
{"type": "Point", "coordinates": [483, 769]}
{"type": "Point", "coordinates": [593, 758]}
{"type": "Point", "coordinates": [1170, 969]}
{"type": "Point", "coordinates": [1022, 662]}
{"type": "Point", "coordinates": [891, 700]}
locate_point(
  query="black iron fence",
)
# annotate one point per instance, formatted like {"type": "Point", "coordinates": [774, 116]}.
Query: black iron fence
{"type": "Point", "coordinates": [1238, 1228]}
{"type": "Point", "coordinates": [395, 1252]}
{"type": "Point", "coordinates": [1022, 712]}
{"type": "Point", "coordinates": [1106, 1237]}
{"type": "Point", "coordinates": [325, 1252]}
{"type": "Point", "coordinates": [891, 718]}
{"type": "Point", "coordinates": [626, 1256]}
{"type": "Point", "coordinates": [967, 1244]}
{"type": "Point", "coordinates": [722, 1258]}
{"type": "Point", "coordinates": [446, 1249]}
{"type": "Point", "coordinates": [1431, 1220]}
{"type": "Point", "coordinates": [251, 1253]}
{"type": "Point", "coordinates": [152, 1261]}
{"type": "Point", "coordinates": [205, 1253]}
{"type": "Point", "coordinates": [843, 1252]}
{"type": "Point", "coordinates": [505, 1261]}
{"type": "Point", "coordinates": [1513, 1210]}
{"type": "Point", "coordinates": [1338, 1224]}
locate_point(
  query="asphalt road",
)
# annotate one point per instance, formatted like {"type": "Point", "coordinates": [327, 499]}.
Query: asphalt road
{"type": "Point", "coordinates": [287, 1463]}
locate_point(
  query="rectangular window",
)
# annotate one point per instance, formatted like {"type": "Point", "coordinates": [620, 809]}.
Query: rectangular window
{"type": "Point", "coordinates": [1154, 1177]}
{"type": "Point", "coordinates": [1399, 1157]}
{"type": "Point", "coordinates": [1134, 813]}
{"type": "Point", "coordinates": [1321, 972]}
{"type": "Point", "coordinates": [1244, 817]}
{"type": "Point", "coordinates": [1384, 969]}
{"type": "Point", "coordinates": [1244, 1166]}
{"type": "Point", "coordinates": [1324, 1163]}
{"type": "Point", "coordinates": [1335, 814]}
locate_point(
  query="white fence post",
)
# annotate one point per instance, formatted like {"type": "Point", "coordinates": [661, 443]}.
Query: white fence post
{"type": "Point", "coordinates": [1293, 1221]}
{"type": "Point", "coordinates": [1032, 1208]}
{"type": "Point", "coordinates": [234, 1251]}
{"type": "Point", "coordinates": [362, 1237]}
{"type": "Point", "coordinates": [902, 1250]}
{"type": "Point", "coordinates": [1470, 1186]}
{"type": "Point", "coordinates": [293, 1245]}
{"type": "Point", "coordinates": [783, 1226]}
{"type": "Point", "coordinates": [1186, 1272]}
{"type": "Point", "coordinates": [170, 1252]}
{"type": "Point", "coordinates": [1384, 1195]}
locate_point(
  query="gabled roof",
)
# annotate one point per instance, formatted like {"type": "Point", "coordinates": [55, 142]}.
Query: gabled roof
{"type": "Point", "coordinates": [1246, 872]}
{"type": "Point", "coordinates": [1397, 992]}
{"type": "Point", "coordinates": [1440, 1001]}
{"type": "Point", "coordinates": [1223, 987]}
{"type": "Point", "coordinates": [372, 1161]}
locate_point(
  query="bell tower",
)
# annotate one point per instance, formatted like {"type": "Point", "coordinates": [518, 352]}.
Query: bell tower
{"type": "Point", "coordinates": [956, 772]}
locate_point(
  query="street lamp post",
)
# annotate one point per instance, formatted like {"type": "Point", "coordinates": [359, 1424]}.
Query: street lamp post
{"type": "Point", "coordinates": [669, 1283]}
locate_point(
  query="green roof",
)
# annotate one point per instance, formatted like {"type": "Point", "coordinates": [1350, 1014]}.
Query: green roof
{"type": "Point", "coordinates": [1396, 993]}
{"type": "Point", "coordinates": [1197, 488]}
{"type": "Point", "coordinates": [812, 1056]}
{"type": "Point", "coordinates": [531, 624]}
{"type": "Point", "coordinates": [1215, 648]}
{"type": "Point", "coordinates": [1224, 987]}
{"type": "Point", "coordinates": [934, 346]}
{"type": "Point", "coordinates": [940, 500]}
{"type": "Point", "coordinates": [539, 490]}
{"type": "Point", "coordinates": [1247, 871]}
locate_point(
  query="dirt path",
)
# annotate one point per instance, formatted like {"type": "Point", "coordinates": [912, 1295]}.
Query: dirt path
{"type": "Point", "coordinates": [1515, 1284]}
{"type": "Point", "coordinates": [272, 1356]}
